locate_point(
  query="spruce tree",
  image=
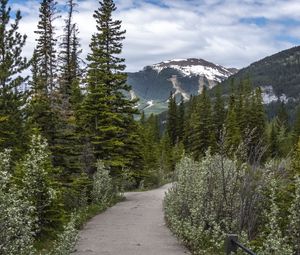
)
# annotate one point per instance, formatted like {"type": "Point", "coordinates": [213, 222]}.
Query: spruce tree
{"type": "Point", "coordinates": [43, 110]}
{"type": "Point", "coordinates": [106, 112]}
{"type": "Point", "coordinates": [282, 114]}
{"type": "Point", "coordinates": [232, 130]}
{"type": "Point", "coordinates": [181, 120]}
{"type": "Point", "coordinates": [257, 125]}
{"type": "Point", "coordinates": [172, 119]}
{"type": "Point", "coordinates": [12, 96]}
{"type": "Point", "coordinates": [45, 49]}
{"type": "Point", "coordinates": [67, 139]}
{"type": "Point", "coordinates": [69, 62]}
{"type": "Point", "coordinates": [273, 140]}
{"type": "Point", "coordinates": [296, 129]}
{"type": "Point", "coordinates": [190, 108]}
{"type": "Point", "coordinates": [219, 115]}
{"type": "Point", "coordinates": [201, 124]}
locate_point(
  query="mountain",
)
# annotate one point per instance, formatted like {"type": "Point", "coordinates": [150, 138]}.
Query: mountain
{"type": "Point", "coordinates": [278, 76]}
{"type": "Point", "coordinates": [184, 77]}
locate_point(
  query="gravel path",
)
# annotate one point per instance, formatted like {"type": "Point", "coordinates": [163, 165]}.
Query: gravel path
{"type": "Point", "coordinates": [132, 227]}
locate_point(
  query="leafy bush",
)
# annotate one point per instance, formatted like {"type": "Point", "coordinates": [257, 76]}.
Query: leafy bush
{"type": "Point", "coordinates": [64, 244]}
{"type": "Point", "coordinates": [217, 196]}
{"type": "Point", "coordinates": [103, 190]}
{"type": "Point", "coordinates": [16, 215]}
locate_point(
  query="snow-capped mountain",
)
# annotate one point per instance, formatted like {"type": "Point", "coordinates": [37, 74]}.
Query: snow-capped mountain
{"type": "Point", "coordinates": [195, 67]}
{"type": "Point", "coordinates": [183, 77]}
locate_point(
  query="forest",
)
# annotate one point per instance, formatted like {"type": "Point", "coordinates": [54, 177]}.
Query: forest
{"type": "Point", "coordinates": [71, 142]}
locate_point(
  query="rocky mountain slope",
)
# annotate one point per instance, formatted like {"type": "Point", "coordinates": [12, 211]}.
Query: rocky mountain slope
{"type": "Point", "coordinates": [184, 77]}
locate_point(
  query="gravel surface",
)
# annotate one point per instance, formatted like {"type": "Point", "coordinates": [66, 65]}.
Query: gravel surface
{"type": "Point", "coordinates": [133, 227]}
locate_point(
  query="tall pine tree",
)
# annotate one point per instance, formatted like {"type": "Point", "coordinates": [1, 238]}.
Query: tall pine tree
{"type": "Point", "coordinates": [12, 96]}
{"type": "Point", "coordinates": [106, 112]}
{"type": "Point", "coordinates": [43, 104]}
{"type": "Point", "coordinates": [202, 136]}
{"type": "Point", "coordinates": [172, 119]}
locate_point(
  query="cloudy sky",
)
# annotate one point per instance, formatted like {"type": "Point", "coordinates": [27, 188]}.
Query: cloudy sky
{"type": "Point", "coordinates": [233, 33]}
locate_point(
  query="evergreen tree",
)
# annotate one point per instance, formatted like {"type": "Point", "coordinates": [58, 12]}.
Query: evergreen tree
{"type": "Point", "coordinates": [67, 145]}
{"type": "Point", "coordinates": [282, 114]}
{"type": "Point", "coordinates": [202, 136]}
{"type": "Point", "coordinates": [190, 108]}
{"type": "Point", "coordinates": [12, 96]}
{"type": "Point", "coordinates": [219, 115]}
{"type": "Point", "coordinates": [106, 112]}
{"type": "Point", "coordinates": [296, 129]}
{"type": "Point", "coordinates": [45, 49]}
{"type": "Point", "coordinates": [172, 119]}
{"type": "Point", "coordinates": [181, 120]}
{"type": "Point", "coordinates": [69, 59]}
{"type": "Point", "coordinates": [257, 125]}
{"type": "Point", "coordinates": [43, 106]}
{"type": "Point", "coordinates": [150, 141]}
{"type": "Point", "coordinates": [273, 140]}
{"type": "Point", "coordinates": [232, 130]}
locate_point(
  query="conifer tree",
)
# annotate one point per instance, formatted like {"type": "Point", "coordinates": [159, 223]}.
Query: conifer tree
{"type": "Point", "coordinates": [257, 124]}
{"type": "Point", "coordinates": [150, 141]}
{"type": "Point", "coordinates": [282, 115]}
{"type": "Point", "coordinates": [43, 110]}
{"type": "Point", "coordinates": [69, 61]}
{"type": "Point", "coordinates": [67, 139]}
{"type": "Point", "coordinates": [190, 108]}
{"type": "Point", "coordinates": [172, 119]}
{"type": "Point", "coordinates": [201, 124]}
{"type": "Point", "coordinates": [45, 49]}
{"type": "Point", "coordinates": [106, 112]}
{"type": "Point", "coordinates": [273, 141]}
{"type": "Point", "coordinates": [181, 120]}
{"type": "Point", "coordinates": [12, 96]}
{"type": "Point", "coordinates": [296, 128]}
{"type": "Point", "coordinates": [219, 115]}
{"type": "Point", "coordinates": [232, 131]}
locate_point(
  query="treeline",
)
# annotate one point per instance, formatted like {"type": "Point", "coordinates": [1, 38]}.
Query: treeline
{"type": "Point", "coordinates": [68, 138]}
{"type": "Point", "coordinates": [223, 122]}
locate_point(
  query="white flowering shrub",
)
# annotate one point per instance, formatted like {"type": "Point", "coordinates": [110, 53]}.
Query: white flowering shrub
{"type": "Point", "coordinates": [16, 215]}
{"type": "Point", "coordinates": [64, 245]}
{"type": "Point", "coordinates": [103, 190]}
{"type": "Point", "coordinates": [210, 200]}
{"type": "Point", "coordinates": [274, 242]}
{"type": "Point", "coordinates": [294, 218]}
{"type": "Point", "coordinates": [201, 205]}
{"type": "Point", "coordinates": [218, 196]}
{"type": "Point", "coordinates": [39, 185]}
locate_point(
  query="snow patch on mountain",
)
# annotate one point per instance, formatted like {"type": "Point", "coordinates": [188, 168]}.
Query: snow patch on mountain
{"type": "Point", "coordinates": [195, 67]}
{"type": "Point", "coordinates": [269, 95]}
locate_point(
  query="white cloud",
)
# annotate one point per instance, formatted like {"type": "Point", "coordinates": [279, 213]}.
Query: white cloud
{"type": "Point", "coordinates": [209, 29]}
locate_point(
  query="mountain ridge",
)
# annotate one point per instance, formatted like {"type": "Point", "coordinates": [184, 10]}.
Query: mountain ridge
{"type": "Point", "coordinates": [182, 77]}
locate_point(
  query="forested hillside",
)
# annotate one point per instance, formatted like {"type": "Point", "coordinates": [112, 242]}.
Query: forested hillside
{"type": "Point", "coordinates": [279, 71]}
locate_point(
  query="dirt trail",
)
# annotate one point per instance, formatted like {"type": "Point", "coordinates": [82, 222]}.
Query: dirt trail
{"type": "Point", "coordinates": [132, 227]}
